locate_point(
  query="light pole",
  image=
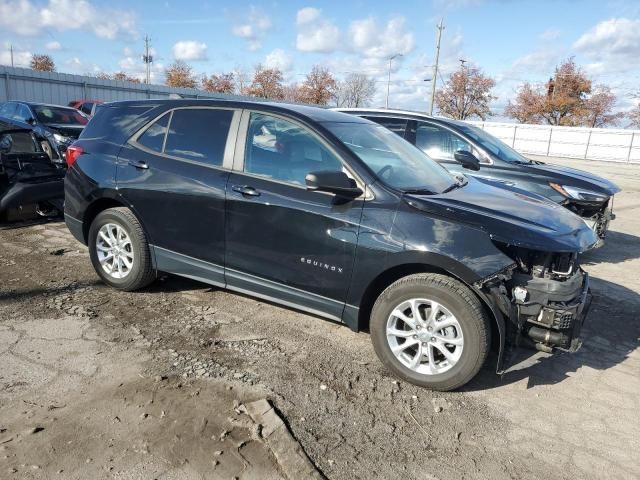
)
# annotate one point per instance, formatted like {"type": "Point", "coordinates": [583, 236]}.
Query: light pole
{"type": "Point", "coordinates": [386, 104]}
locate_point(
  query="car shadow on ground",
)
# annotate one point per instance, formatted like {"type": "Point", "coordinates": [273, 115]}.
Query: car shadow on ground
{"type": "Point", "coordinates": [610, 335]}
{"type": "Point", "coordinates": [28, 222]}
{"type": "Point", "coordinates": [618, 247]}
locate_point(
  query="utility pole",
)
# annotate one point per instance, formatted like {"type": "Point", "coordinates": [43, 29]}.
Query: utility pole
{"type": "Point", "coordinates": [386, 105]}
{"type": "Point", "coordinates": [147, 59]}
{"type": "Point", "coordinates": [435, 66]}
{"type": "Point", "coordinates": [11, 53]}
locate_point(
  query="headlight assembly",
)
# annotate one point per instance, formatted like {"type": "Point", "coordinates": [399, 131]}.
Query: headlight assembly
{"type": "Point", "coordinates": [578, 193]}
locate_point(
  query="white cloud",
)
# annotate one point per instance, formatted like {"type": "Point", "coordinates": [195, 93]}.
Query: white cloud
{"type": "Point", "coordinates": [279, 59]}
{"type": "Point", "coordinates": [615, 42]}
{"type": "Point", "coordinates": [371, 40]}
{"type": "Point", "coordinates": [315, 33]}
{"type": "Point", "coordinates": [75, 65]}
{"type": "Point", "coordinates": [54, 45]}
{"type": "Point", "coordinates": [190, 50]}
{"type": "Point", "coordinates": [549, 35]}
{"type": "Point", "coordinates": [253, 28]}
{"type": "Point", "coordinates": [26, 17]}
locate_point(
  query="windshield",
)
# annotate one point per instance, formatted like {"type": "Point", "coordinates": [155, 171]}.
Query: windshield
{"type": "Point", "coordinates": [394, 160]}
{"type": "Point", "coordinates": [65, 116]}
{"type": "Point", "coordinates": [492, 144]}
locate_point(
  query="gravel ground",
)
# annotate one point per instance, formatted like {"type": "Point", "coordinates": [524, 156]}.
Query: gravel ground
{"type": "Point", "coordinates": [567, 416]}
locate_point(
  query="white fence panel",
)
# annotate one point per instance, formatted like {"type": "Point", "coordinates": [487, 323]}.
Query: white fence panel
{"type": "Point", "coordinates": [572, 142]}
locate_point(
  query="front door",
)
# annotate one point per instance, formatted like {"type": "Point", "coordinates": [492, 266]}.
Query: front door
{"type": "Point", "coordinates": [284, 241]}
{"type": "Point", "coordinates": [173, 175]}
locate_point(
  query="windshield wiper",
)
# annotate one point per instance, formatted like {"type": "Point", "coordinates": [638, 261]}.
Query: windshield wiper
{"type": "Point", "coordinates": [419, 191]}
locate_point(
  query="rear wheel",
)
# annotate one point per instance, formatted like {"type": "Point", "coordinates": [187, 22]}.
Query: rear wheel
{"type": "Point", "coordinates": [119, 250]}
{"type": "Point", "coordinates": [430, 330]}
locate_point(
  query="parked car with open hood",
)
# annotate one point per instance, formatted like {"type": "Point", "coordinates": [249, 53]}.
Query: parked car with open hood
{"type": "Point", "coordinates": [459, 145]}
{"type": "Point", "coordinates": [330, 214]}
{"type": "Point", "coordinates": [54, 126]}
{"type": "Point", "coordinates": [27, 176]}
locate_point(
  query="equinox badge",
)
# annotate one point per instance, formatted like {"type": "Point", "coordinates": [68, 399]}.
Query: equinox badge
{"type": "Point", "coordinates": [316, 263]}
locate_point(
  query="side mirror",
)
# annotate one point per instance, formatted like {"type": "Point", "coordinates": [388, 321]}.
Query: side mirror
{"type": "Point", "coordinates": [467, 159]}
{"type": "Point", "coordinates": [6, 143]}
{"type": "Point", "coordinates": [336, 182]}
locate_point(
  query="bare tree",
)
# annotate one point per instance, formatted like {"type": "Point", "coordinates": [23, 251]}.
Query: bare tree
{"type": "Point", "coordinates": [634, 116]}
{"type": "Point", "coordinates": [266, 83]}
{"type": "Point", "coordinates": [319, 86]}
{"type": "Point", "coordinates": [466, 94]}
{"type": "Point", "coordinates": [292, 93]}
{"type": "Point", "coordinates": [242, 80]}
{"type": "Point", "coordinates": [42, 62]}
{"type": "Point", "coordinates": [356, 90]}
{"type": "Point", "coordinates": [599, 109]}
{"type": "Point", "coordinates": [179, 74]}
{"type": "Point", "coordinates": [223, 83]}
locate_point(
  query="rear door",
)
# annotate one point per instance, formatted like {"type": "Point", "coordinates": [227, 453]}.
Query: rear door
{"type": "Point", "coordinates": [173, 173]}
{"type": "Point", "coordinates": [284, 241]}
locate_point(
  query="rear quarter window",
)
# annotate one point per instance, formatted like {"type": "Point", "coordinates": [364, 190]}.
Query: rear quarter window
{"type": "Point", "coordinates": [153, 136]}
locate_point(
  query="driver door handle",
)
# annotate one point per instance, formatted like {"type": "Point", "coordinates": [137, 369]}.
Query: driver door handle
{"type": "Point", "coordinates": [139, 164]}
{"type": "Point", "coordinates": [246, 190]}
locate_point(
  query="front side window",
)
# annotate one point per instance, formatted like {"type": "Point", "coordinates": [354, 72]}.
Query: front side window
{"type": "Point", "coordinates": [199, 134]}
{"type": "Point", "coordinates": [283, 151]}
{"type": "Point", "coordinates": [438, 142]}
{"type": "Point", "coordinates": [395, 161]}
{"type": "Point", "coordinates": [493, 144]}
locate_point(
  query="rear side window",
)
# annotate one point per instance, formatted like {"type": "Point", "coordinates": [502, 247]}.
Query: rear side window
{"type": "Point", "coordinates": [199, 134]}
{"type": "Point", "coordinates": [86, 108]}
{"type": "Point", "coordinates": [396, 125]}
{"type": "Point", "coordinates": [153, 137]}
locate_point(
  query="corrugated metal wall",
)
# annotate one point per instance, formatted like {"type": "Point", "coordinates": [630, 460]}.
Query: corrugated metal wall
{"type": "Point", "coordinates": [60, 88]}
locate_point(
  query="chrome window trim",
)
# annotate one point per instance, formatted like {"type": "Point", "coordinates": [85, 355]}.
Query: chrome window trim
{"type": "Point", "coordinates": [133, 140]}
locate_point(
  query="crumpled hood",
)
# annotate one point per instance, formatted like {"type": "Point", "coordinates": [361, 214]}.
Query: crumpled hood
{"type": "Point", "coordinates": [71, 131]}
{"type": "Point", "coordinates": [576, 177]}
{"type": "Point", "coordinates": [511, 217]}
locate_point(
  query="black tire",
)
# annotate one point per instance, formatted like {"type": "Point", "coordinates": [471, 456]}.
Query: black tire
{"type": "Point", "coordinates": [461, 302]}
{"type": "Point", "coordinates": [142, 272]}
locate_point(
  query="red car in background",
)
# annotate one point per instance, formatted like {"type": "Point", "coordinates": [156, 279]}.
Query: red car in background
{"type": "Point", "coordinates": [87, 107]}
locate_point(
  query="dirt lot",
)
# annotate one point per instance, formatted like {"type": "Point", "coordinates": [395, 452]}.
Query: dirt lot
{"type": "Point", "coordinates": [96, 383]}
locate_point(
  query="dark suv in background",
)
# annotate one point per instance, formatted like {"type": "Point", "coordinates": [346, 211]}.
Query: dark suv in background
{"type": "Point", "coordinates": [459, 145]}
{"type": "Point", "coordinates": [334, 215]}
{"type": "Point", "coordinates": [54, 126]}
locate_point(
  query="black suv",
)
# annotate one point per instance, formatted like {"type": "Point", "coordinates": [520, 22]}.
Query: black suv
{"type": "Point", "coordinates": [54, 126]}
{"type": "Point", "coordinates": [334, 215]}
{"type": "Point", "coordinates": [459, 145]}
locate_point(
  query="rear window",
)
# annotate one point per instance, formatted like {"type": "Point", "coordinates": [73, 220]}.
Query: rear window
{"type": "Point", "coordinates": [59, 115]}
{"type": "Point", "coordinates": [199, 134]}
{"type": "Point", "coordinates": [118, 122]}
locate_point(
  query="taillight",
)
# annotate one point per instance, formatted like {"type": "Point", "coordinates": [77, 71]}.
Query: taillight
{"type": "Point", "coordinates": [72, 154]}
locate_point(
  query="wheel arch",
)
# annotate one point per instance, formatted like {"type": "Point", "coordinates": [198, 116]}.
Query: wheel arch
{"type": "Point", "coordinates": [396, 272]}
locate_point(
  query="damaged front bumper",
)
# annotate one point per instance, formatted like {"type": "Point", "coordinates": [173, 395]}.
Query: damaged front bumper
{"type": "Point", "coordinates": [552, 313]}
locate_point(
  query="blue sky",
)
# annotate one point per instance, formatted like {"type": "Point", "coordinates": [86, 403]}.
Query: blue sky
{"type": "Point", "coordinates": [513, 41]}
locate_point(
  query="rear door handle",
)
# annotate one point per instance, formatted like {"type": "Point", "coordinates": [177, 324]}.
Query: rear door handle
{"type": "Point", "coordinates": [246, 190]}
{"type": "Point", "coordinates": [138, 164]}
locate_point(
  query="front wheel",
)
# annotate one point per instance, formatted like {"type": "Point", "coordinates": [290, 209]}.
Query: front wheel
{"type": "Point", "coordinates": [430, 330]}
{"type": "Point", "coordinates": [119, 250]}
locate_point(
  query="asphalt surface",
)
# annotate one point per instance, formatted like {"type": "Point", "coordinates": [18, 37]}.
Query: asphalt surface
{"type": "Point", "coordinates": [76, 355]}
